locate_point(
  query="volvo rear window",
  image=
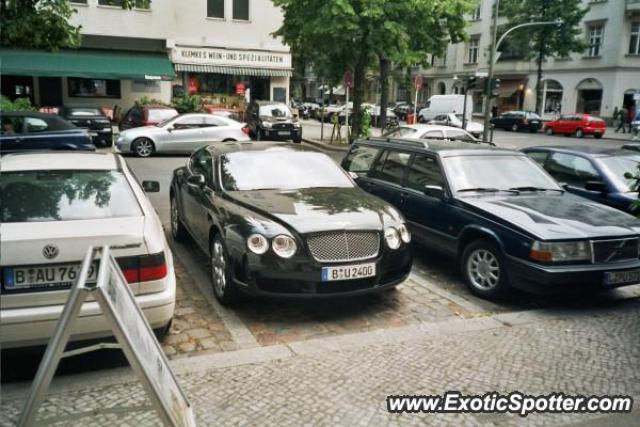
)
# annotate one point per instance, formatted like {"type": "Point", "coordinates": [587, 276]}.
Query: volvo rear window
{"type": "Point", "coordinates": [65, 195]}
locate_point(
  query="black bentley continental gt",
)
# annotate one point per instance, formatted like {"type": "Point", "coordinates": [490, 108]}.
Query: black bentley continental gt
{"type": "Point", "coordinates": [278, 219]}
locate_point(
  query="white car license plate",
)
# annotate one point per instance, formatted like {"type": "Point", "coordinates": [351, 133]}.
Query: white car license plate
{"type": "Point", "coordinates": [93, 133]}
{"type": "Point", "coordinates": [348, 272]}
{"type": "Point", "coordinates": [45, 276]}
{"type": "Point", "coordinates": [284, 133]}
{"type": "Point", "coordinates": [618, 277]}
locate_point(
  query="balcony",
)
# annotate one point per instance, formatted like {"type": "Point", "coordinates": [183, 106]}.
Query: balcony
{"type": "Point", "coordinates": [632, 7]}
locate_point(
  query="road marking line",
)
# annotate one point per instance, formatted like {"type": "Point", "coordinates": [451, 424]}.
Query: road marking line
{"type": "Point", "coordinates": [241, 335]}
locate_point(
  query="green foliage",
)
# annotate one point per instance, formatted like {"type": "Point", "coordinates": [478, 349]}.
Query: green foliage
{"type": "Point", "coordinates": [44, 24]}
{"type": "Point", "coordinates": [187, 104]}
{"type": "Point", "coordinates": [548, 40]}
{"type": "Point", "coordinates": [145, 100]}
{"type": "Point", "coordinates": [20, 104]}
{"type": "Point", "coordinates": [340, 35]}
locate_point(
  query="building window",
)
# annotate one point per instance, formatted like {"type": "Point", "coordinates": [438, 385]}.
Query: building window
{"type": "Point", "coordinates": [138, 4]}
{"type": "Point", "coordinates": [634, 42]}
{"type": "Point", "coordinates": [215, 9]}
{"type": "Point", "coordinates": [79, 1]}
{"type": "Point", "coordinates": [475, 15]}
{"type": "Point", "coordinates": [93, 88]}
{"type": "Point", "coordinates": [241, 10]}
{"type": "Point", "coordinates": [596, 34]}
{"type": "Point", "coordinates": [439, 61]}
{"type": "Point", "coordinates": [473, 49]}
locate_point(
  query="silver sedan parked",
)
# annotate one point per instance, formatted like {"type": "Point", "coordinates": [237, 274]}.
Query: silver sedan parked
{"type": "Point", "coordinates": [181, 134]}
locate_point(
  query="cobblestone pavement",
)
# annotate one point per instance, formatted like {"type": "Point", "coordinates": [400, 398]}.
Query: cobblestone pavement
{"type": "Point", "coordinates": [594, 351]}
{"type": "Point", "coordinates": [196, 326]}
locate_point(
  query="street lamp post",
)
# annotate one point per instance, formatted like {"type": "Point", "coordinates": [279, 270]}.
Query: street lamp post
{"type": "Point", "coordinates": [493, 48]}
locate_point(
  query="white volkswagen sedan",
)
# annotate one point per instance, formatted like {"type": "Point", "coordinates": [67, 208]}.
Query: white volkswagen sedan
{"type": "Point", "coordinates": [53, 206]}
{"type": "Point", "coordinates": [181, 134]}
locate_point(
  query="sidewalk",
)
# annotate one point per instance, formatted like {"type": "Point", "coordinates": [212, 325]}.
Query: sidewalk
{"type": "Point", "coordinates": [345, 380]}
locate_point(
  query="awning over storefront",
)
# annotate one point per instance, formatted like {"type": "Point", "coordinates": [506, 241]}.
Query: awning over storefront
{"type": "Point", "coordinates": [87, 63]}
{"type": "Point", "coordinates": [238, 71]}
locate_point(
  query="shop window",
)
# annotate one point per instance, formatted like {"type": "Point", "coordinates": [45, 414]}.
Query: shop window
{"type": "Point", "coordinates": [138, 4]}
{"type": "Point", "coordinates": [552, 97]}
{"type": "Point", "coordinates": [145, 86]}
{"type": "Point", "coordinates": [634, 41]}
{"type": "Point", "coordinates": [93, 88]}
{"type": "Point", "coordinates": [241, 10]}
{"type": "Point", "coordinates": [215, 9]}
{"type": "Point", "coordinates": [596, 36]}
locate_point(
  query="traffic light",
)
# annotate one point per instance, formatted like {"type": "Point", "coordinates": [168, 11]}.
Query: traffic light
{"type": "Point", "coordinates": [494, 86]}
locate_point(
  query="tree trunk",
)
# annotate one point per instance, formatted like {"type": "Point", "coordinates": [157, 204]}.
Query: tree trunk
{"type": "Point", "coordinates": [358, 96]}
{"type": "Point", "coordinates": [384, 91]}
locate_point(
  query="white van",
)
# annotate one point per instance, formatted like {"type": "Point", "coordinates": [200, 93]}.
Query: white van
{"type": "Point", "coordinates": [445, 104]}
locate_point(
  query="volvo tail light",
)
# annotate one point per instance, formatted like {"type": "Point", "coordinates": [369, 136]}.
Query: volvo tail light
{"type": "Point", "coordinates": [144, 268]}
{"type": "Point", "coordinates": [246, 130]}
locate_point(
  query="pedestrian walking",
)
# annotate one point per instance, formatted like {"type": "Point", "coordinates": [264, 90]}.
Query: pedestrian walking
{"type": "Point", "coordinates": [622, 117]}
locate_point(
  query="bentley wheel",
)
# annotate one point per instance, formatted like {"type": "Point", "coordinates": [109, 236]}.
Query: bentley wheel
{"type": "Point", "coordinates": [143, 147]}
{"type": "Point", "coordinates": [483, 269]}
{"type": "Point", "coordinates": [223, 287]}
{"type": "Point", "coordinates": [177, 229]}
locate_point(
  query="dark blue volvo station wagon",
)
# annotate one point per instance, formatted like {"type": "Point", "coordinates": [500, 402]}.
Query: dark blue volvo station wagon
{"type": "Point", "coordinates": [504, 220]}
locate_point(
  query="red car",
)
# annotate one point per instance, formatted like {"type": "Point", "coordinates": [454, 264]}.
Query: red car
{"type": "Point", "coordinates": [578, 125]}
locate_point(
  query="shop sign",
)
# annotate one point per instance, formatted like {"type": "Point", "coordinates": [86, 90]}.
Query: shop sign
{"type": "Point", "coordinates": [230, 57]}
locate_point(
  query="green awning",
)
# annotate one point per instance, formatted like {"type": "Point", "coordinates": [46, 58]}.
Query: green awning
{"type": "Point", "coordinates": [88, 63]}
{"type": "Point", "coordinates": [237, 71]}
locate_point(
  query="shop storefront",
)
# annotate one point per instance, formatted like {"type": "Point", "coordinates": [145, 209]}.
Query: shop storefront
{"type": "Point", "coordinates": [228, 78]}
{"type": "Point", "coordinates": [93, 77]}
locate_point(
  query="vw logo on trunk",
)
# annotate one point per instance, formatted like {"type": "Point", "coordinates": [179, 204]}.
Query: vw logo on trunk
{"type": "Point", "coordinates": [50, 251]}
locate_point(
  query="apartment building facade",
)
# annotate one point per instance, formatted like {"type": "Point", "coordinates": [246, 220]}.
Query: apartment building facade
{"type": "Point", "coordinates": [605, 76]}
{"type": "Point", "coordinates": [222, 50]}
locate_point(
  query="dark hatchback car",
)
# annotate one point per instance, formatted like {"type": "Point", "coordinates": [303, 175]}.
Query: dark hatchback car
{"type": "Point", "coordinates": [279, 220]}
{"type": "Point", "coordinates": [30, 130]}
{"type": "Point", "coordinates": [503, 219]}
{"type": "Point", "coordinates": [273, 121]}
{"type": "Point", "coordinates": [518, 120]}
{"type": "Point", "coordinates": [593, 172]}
{"type": "Point", "coordinates": [92, 119]}
{"type": "Point", "coordinates": [146, 115]}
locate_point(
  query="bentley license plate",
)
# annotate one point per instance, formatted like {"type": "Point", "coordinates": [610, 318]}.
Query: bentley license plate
{"type": "Point", "coordinates": [45, 276]}
{"type": "Point", "coordinates": [284, 133]}
{"type": "Point", "coordinates": [620, 277]}
{"type": "Point", "coordinates": [348, 272]}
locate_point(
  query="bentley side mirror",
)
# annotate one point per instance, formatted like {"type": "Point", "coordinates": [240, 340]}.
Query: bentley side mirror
{"type": "Point", "coordinates": [434, 191]}
{"type": "Point", "coordinates": [197, 180]}
{"type": "Point", "coordinates": [353, 175]}
{"type": "Point", "coordinates": [151, 186]}
{"type": "Point", "coordinates": [596, 186]}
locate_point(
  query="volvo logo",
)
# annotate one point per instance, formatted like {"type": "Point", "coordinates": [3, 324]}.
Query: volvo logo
{"type": "Point", "coordinates": [50, 251]}
{"type": "Point", "coordinates": [617, 251]}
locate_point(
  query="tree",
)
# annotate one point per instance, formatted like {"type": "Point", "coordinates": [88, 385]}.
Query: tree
{"type": "Point", "coordinates": [545, 41]}
{"type": "Point", "coordinates": [354, 34]}
{"type": "Point", "coordinates": [43, 24]}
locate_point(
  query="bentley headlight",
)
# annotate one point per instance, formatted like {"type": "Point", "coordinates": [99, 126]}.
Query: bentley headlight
{"type": "Point", "coordinates": [404, 233]}
{"type": "Point", "coordinates": [284, 246]}
{"type": "Point", "coordinates": [258, 244]}
{"type": "Point", "coordinates": [392, 237]}
{"type": "Point", "coordinates": [267, 125]}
